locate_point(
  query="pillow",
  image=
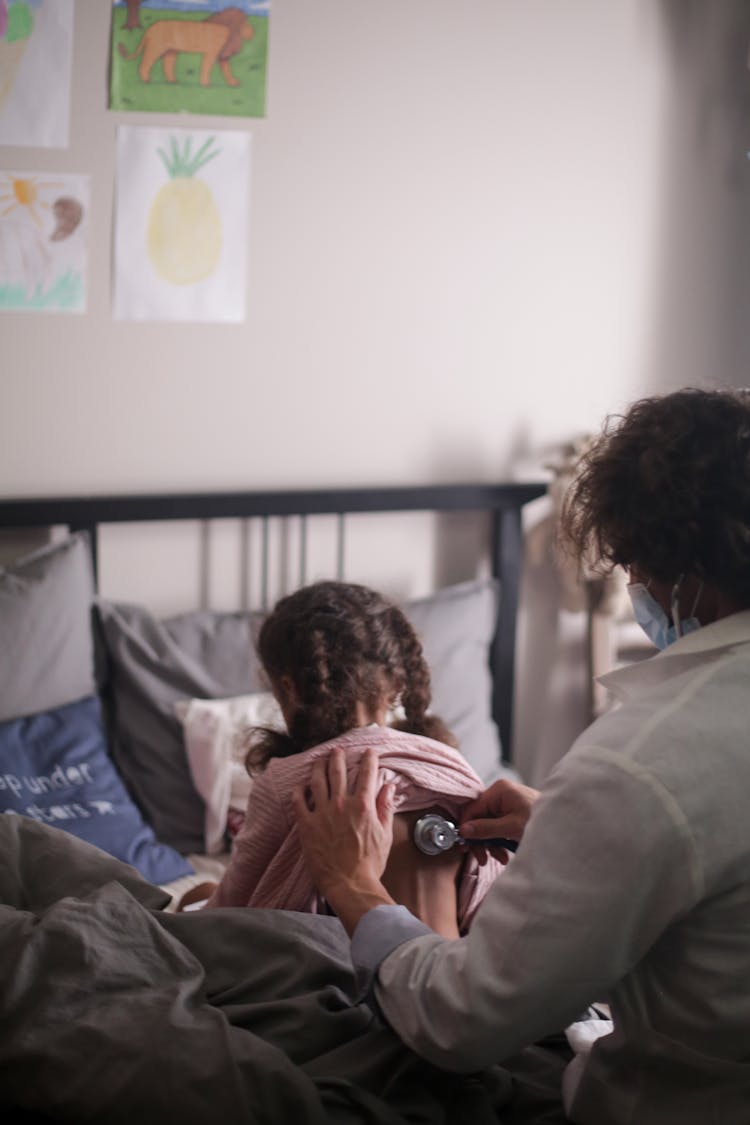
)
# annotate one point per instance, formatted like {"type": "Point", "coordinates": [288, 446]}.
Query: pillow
{"type": "Point", "coordinates": [151, 665]}
{"type": "Point", "coordinates": [46, 647]}
{"type": "Point", "coordinates": [54, 768]}
{"type": "Point", "coordinates": [456, 626]}
{"type": "Point", "coordinates": [206, 655]}
{"type": "Point", "coordinates": [212, 730]}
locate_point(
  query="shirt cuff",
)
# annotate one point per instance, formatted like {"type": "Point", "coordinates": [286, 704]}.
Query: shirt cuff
{"type": "Point", "coordinates": [378, 933]}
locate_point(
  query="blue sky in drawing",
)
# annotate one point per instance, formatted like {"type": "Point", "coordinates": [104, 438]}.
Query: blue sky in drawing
{"type": "Point", "coordinates": [251, 7]}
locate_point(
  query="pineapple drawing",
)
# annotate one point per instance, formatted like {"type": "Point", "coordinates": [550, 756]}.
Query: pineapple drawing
{"type": "Point", "coordinates": [184, 226]}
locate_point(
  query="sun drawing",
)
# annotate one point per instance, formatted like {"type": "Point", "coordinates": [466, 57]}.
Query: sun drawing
{"type": "Point", "coordinates": [24, 192]}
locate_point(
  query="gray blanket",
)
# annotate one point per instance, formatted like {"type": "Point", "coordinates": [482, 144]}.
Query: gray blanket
{"type": "Point", "coordinates": [113, 1011]}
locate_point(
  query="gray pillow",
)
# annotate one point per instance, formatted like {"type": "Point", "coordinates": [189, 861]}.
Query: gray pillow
{"type": "Point", "coordinates": [208, 655]}
{"type": "Point", "coordinates": [46, 646]}
{"type": "Point", "coordinates": [150, 665]}
{"type": "Point", "coordinates": [456, 626]}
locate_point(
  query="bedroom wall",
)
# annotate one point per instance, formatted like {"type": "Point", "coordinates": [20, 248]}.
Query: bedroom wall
{"type": "Point", "coordinates": [474, 230]}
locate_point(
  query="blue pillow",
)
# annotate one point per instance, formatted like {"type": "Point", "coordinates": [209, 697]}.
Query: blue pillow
{"type": "Point", "coordinates": [55, 767]}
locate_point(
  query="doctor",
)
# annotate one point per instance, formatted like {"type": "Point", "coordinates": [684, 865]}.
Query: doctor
{"type": "Point", "coordinates": [632, 883]}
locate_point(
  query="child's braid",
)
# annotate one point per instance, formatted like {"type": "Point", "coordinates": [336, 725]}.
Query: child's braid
{"type": "Point", "coordinates": [321, 679]}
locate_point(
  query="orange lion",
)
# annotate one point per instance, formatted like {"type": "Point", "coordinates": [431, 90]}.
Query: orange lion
{"type": "Point", "coordinates": [216, 38]}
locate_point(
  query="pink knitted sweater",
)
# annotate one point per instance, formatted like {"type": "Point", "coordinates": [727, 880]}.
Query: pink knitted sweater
{"type": "Point", "coordinates": [267, 867]}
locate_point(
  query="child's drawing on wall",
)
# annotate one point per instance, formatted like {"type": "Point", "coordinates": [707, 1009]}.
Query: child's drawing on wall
{"type": "Point", "coordinates": [43, 220]}
{"type": "Point", "coordinates": [36, 38]}
{"type": "Point", "coordinates": [181, 224]}
{"type": "Point", "coordinates": [202, 56]}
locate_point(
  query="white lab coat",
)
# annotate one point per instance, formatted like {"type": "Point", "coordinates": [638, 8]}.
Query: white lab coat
{"type": "Point", "coordinates": [632, 885]}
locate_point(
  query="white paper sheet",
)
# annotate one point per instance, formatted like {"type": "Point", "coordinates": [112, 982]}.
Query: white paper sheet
{"type": "Point", "coordinates": [182, 200]}
{"type": "Point", "coordinates": [35, 72]}
{"type": "Point", "coordinates": [43, 235]}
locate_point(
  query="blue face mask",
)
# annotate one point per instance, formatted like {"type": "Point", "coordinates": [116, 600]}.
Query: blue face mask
{"type": "Point", "coordinates": [654, 621]}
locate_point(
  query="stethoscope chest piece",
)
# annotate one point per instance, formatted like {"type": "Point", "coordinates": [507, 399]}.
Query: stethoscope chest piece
{"type": "Point", "coordinates": [434, 834]}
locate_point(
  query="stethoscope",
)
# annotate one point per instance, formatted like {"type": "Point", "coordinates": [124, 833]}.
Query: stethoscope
{"type": "Point", "coordinates": [434, 834]}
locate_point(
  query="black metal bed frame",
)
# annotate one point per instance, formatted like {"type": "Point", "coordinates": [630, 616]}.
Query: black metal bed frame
{"type": "Point", "coordinates": [503, 503]}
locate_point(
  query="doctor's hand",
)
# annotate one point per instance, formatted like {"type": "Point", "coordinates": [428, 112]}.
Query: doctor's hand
{"type": "Point", "coordinates": [501, 811]}
{"type": "Point", "coordinates": [346, 837]}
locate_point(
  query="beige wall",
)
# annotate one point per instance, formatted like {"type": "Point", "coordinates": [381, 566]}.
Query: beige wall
{"type": "Point", "coordinates": [475, 228]}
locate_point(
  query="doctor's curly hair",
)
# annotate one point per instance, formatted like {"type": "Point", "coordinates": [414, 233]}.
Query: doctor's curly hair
{"type": "Point", "coordinates": [341, 644]}
{"type": "Point", "coordinates": [666, 488]}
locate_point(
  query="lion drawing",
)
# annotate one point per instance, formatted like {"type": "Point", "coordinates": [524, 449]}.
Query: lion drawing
{"type": "Point", "coordinates": [216, 38]}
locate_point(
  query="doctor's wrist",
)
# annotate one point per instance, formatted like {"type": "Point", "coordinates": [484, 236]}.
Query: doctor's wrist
{"type": "Point", "coordinates": [352, 897]}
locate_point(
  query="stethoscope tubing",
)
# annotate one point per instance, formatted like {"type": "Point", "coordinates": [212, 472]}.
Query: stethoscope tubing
{"type": "Point", "coordinates": [495, 842]}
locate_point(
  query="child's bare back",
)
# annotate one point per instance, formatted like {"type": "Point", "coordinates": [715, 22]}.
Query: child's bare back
{"type": "Point", "coordinates": [427, 885]}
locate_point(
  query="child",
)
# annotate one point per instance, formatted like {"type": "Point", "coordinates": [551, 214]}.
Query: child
{"type": "Point", "coordinates": [338, 657]}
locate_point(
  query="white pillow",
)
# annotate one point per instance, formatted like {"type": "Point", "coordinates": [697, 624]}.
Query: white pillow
{"type": "Point", "coordinates": [213, 730]}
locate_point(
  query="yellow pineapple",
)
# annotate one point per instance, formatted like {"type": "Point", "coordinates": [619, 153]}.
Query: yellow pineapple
{"type": "Point", "coordinates": [184, 226]}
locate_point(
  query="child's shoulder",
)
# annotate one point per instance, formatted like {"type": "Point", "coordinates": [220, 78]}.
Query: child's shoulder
{"type": "Point", "coordinates": [286, 771]}
{"type": "Point", "coordinates": [388, 739]}
{"type": "Point", "coordinates": [384, 739]}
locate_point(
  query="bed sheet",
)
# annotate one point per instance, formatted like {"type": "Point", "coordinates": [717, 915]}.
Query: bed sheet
{"type": "Point", "coordinates": [112, 1008]}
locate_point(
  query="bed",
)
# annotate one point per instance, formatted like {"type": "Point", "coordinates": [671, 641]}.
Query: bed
{"type": "Point", "coordinates": [118, 749]}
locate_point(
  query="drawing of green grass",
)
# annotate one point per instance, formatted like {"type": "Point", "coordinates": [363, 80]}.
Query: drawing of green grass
{"type": "Point", "coordinates": [128, 92]}
{"type": "Point", "coordinates": [65, 295]}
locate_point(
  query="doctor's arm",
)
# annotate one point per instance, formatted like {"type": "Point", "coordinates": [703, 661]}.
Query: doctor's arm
{"type": "Point", "coordinates": [583, 900]}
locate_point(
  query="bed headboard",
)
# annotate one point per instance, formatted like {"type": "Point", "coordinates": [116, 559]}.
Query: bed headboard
{"type": "Point", "coordinates": [501, 502]}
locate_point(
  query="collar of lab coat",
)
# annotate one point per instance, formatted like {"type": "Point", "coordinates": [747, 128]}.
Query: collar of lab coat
{"type": "Point", "coordinates": [711, 642]}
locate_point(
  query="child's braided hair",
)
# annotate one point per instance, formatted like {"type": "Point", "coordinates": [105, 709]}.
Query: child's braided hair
{"type": "Point", "coordinates": [341, 644]}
